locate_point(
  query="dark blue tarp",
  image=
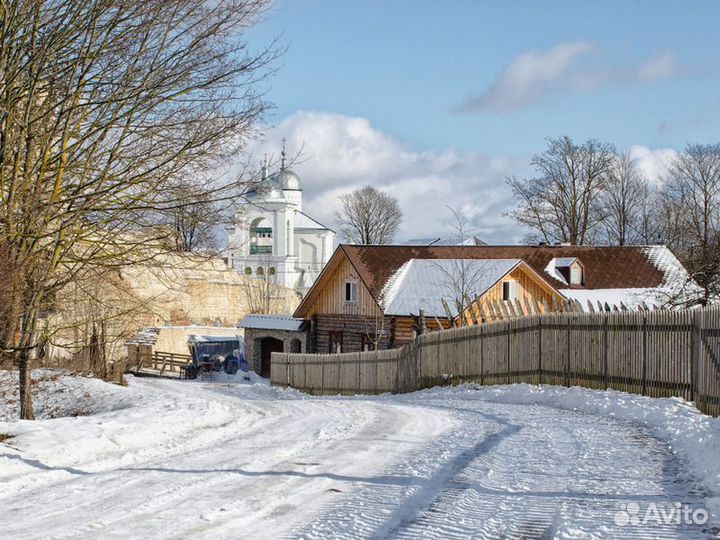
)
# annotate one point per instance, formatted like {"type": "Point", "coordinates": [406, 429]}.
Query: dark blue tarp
{"type": "Point", "coordinates": [216, 346]}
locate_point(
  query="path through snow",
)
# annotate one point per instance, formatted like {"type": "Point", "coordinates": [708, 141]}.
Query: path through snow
{"type": "Point", "coordinates": [224, 461]}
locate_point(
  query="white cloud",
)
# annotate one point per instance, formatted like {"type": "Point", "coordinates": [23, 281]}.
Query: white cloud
{"type": "Point", "coordinates": [663, 66]}
{"type": "Point", "coordinates": [653, 163]}
{"type": "Point", "coordinates": [342, 153]}
{"type": "Point", "coordinates": [531, 76]}
{"type": "Point", "coordinates": [528, 77]}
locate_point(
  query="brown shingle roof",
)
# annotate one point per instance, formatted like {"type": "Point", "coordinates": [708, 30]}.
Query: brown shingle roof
{"type": "Point", "coordinates": [605, 267]}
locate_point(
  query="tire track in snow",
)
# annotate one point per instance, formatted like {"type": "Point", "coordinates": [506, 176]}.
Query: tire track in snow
{"type": "Point", "coordinates": [230, 481]}
{"type": "Point", "coordinates": [535, 473]}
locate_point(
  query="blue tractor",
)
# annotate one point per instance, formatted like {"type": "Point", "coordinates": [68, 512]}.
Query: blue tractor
{"type": "Point", "coordinates": [215, 353]}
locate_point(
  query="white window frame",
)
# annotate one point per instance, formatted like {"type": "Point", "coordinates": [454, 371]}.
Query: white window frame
{"type": "Point", "coordinates": [513, 290]}
{"type": "Point", "coordinates": [353, 299]}
{"type": "Point", "coordinates": [576, 270]}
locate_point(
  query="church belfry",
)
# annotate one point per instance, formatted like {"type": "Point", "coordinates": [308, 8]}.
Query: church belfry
{"type": "Point", "coordinates": [271, 234]}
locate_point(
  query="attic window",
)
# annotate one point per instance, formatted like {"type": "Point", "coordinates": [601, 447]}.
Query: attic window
{"type": "Point", "coordinates": [351, 292]}
{"type": "Point", "coordinates": [576, 274]}
{"type": "Point", "coordinates": [568, 270]}
{"type": "Point", "coordinates": [510, 290]}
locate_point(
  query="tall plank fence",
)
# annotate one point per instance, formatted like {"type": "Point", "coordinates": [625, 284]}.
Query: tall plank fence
{"type": "Point", "coordinates": [654, 353]}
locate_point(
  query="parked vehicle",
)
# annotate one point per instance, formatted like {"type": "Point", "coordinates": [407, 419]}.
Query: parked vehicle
{"type": "Point", "coordinates": [214, 353]}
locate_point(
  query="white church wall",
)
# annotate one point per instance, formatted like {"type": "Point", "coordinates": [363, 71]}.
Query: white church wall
{"type": "Point", "coordinates": [297, 254]}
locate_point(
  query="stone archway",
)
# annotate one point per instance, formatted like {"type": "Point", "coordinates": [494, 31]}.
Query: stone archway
{"type": "Point", "coordinates": [268, 345]}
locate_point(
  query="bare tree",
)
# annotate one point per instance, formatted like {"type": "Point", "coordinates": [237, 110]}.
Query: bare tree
{"type": "Point", "coordinates": [461, 278]}
{"type": "Point", "coordinates": [105, 104]}
{"type": "Point", "coordinates": [651, 226]}
{"type": "Point", "coordinates": [377, 326]}
{"type": "Point", "coordinates": [623, 200]}
{"type": "Point", "coordinates": [691, 198]}
{"type": "Point", "coordinates": [192, 226]}
{"type": "Point", "coordinates": [261, 290]}
{"type": "Point", "coordinates": [562, 204]}
{"type": "Point", "coordinates": [369, 216]}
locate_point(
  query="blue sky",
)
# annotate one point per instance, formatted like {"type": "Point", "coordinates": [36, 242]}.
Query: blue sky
{"type": "Point", "coordinates": [489, 81]}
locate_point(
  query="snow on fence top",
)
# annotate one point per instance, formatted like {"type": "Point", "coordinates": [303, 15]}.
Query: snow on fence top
{"type": "Point", "coordinates": [272, 322]}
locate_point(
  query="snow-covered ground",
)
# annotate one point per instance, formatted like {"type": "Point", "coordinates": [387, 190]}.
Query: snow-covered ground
{"type": "Point", "coordinates": [230, 459]}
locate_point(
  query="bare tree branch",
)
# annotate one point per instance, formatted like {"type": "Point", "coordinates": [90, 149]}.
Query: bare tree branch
{"type": "Point", "coordinates": [369, 216]}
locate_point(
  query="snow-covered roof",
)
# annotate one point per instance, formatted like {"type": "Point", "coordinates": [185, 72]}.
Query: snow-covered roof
{"type": "Point", "coordinates": [212, 339]}
{"type": "Point", "coordinates": [272, 322]}
{"type": "Point", "coordinates": [674, 273]}
{"type": "Point", "coordinates": [421, 241]}
{"type": "Point", "coordinates": [303, 221]}
{"type": "Point", "coordinates": [146, 336]}
{"type": "Point", "coordinates": [630, 298]}
{"type": "Point", "coordinates": [423, 284]}
{"type": "Point", "coordinates": [471, 241]}
{"type": "Point", "coordinates": [563, 262]}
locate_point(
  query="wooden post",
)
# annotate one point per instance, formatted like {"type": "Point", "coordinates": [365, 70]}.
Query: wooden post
{"type": "Point", "coordinates": [567, 360]}
{"type": "Point", "coordinates": [397, 369]}
{"type": "Point", "coordinates": [696, 345]}
{"type": "Point", "coordinates": [322, 377]}
{"type": "Point", "coordinates": [482, 357]}
{"type": "Point", "coordinates": [528, 305]}
{"type": "Point", "coordinates": [162, 370]}
{"type": "Point", "coordinates": [540, 336]}
{"type": "Point", "coordinates": [645, 355]}
{"type": "Point", "coordinates": [605, 350]}
{"type": "Point", "coordinates": [509, 332]}
{"type": "Point", "coordinates": [376, 371]}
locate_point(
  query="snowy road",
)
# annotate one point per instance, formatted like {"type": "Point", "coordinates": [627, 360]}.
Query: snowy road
{"type": "Point", "coordinates": [226, 461]}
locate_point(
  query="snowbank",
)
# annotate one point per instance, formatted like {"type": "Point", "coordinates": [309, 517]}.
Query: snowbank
{"type": "Point", "coordinates": [692, 435]}
{"type": "Point", "coordinates": [98, 425]}
{"type": "Point", "coordinates": [57, 393]}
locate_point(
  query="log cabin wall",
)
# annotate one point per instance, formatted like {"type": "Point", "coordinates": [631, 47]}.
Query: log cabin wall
{"type": "Point", "coordinates": [331, 298]}
{"type": "Point", "coordinates": [354, 331]}
{"type": "Point", "coordinates": [404, 333]}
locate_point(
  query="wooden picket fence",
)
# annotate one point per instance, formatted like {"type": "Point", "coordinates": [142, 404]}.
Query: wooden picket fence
{"type": "Point", "coordinates": [654, 353]}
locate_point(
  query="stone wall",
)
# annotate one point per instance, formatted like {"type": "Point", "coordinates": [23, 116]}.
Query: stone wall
{"type": "Point", "coordinates": [174, 291]}
{"type": "Point", "coordinates": [185, 291]}
{"type": "Point", "coordinates": [253, 344]}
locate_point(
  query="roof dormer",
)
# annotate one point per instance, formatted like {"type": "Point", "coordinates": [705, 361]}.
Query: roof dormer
{"type": "Point", "coordinates": [568, 270]}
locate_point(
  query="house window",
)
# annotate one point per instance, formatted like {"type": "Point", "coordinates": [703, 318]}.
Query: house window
{"type": "Point", "coordinates": [271, 271]}
{"type": "Point", "coordinates": [260, 271]}
{"type": "Point", "coordinates": [351, 292]}
{"type": "Point", "coordinates": [365, 343]}
{"type": "Point", "coordinates": [510, 290]}
{"type": "Point", "coordinates": [335, 342]}
{"type": "Point", "coordinates": [248, 271]}
{"type": "Point", "coordinates": [576, 275]}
